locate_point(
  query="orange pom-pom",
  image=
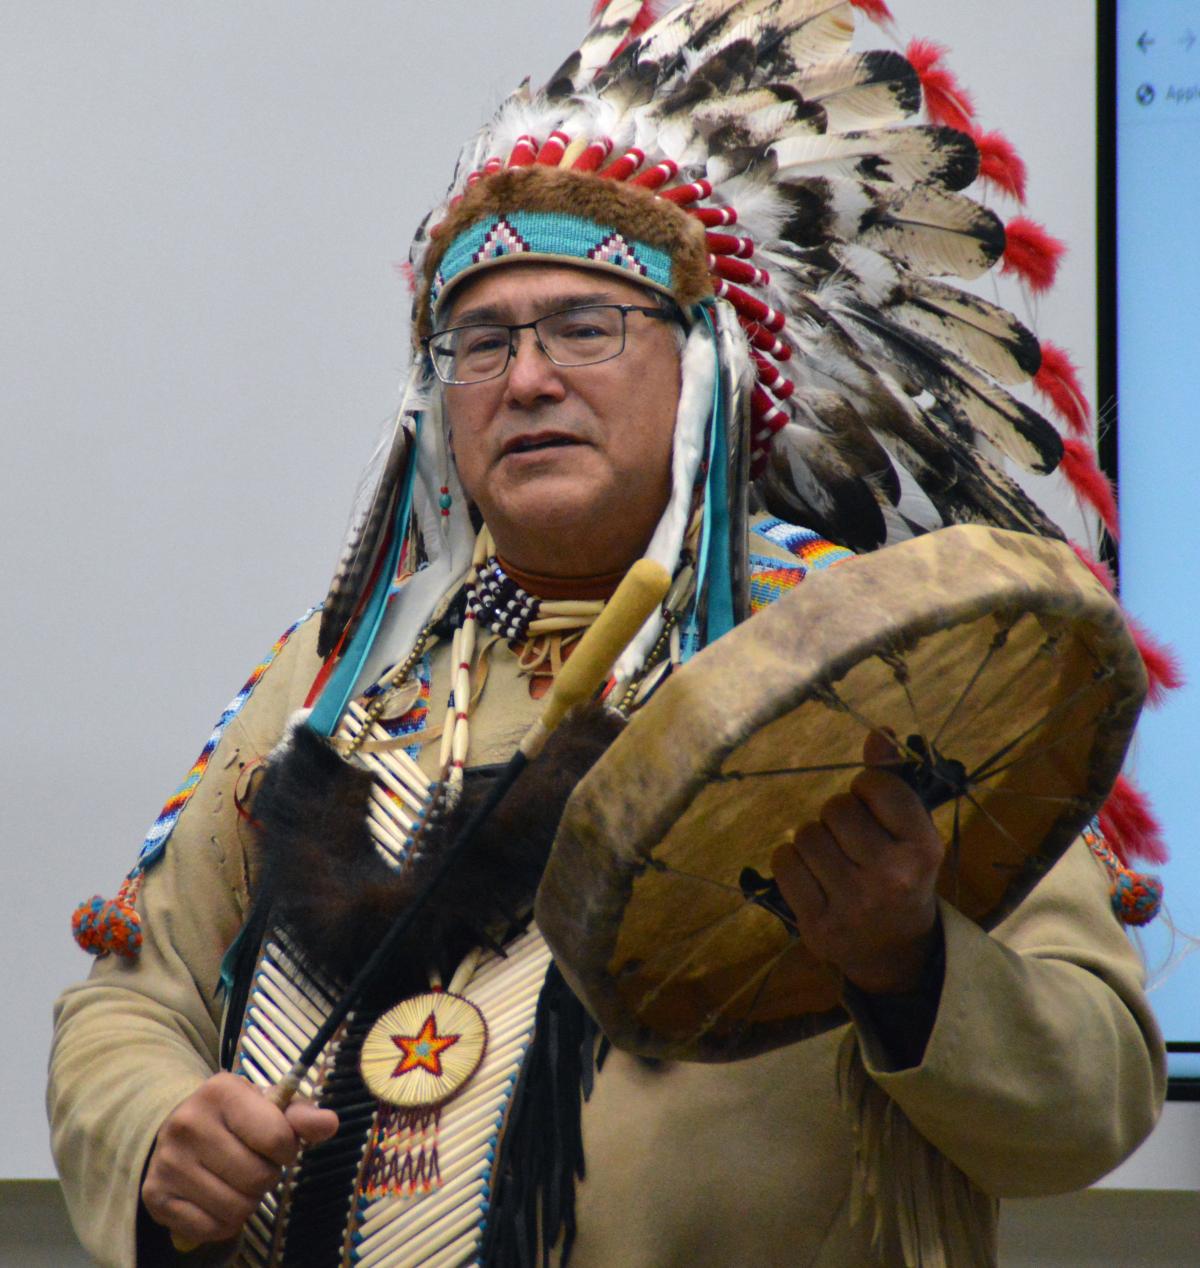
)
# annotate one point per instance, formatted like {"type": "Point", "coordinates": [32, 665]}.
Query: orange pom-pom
{"type": "Point", "coordinates": [1136, 897]}
{"type": "Point", "coordinates": [102, 927]}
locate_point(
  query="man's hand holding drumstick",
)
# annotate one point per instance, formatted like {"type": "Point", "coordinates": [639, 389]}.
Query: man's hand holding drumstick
{"type": "Point", "coordinates": [219, 1152]}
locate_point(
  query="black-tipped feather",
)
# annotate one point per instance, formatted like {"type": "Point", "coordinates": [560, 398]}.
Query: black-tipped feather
{"type": "Point", "coordinates": [974, 404]}
{"type": "Point", "coordinates": [970, 328]}
{"type": "Point", "coordinates": [374, 509]}
{"type": "Point", "coordinates": [595, 51]}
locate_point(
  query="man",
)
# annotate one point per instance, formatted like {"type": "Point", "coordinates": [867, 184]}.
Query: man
{"type": "Point", "coordinates": [553, 305]}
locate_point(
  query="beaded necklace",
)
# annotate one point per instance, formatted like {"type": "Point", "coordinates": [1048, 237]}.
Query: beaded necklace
{"type": "Point", "coordinates": [496, 602]}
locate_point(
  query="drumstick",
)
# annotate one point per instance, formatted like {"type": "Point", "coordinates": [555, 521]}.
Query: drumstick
{"type": "Point", "coordinates": [641, 591]}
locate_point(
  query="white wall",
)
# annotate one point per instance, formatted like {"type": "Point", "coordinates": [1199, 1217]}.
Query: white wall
{"type": "Point", "coordinates": [201, 329]}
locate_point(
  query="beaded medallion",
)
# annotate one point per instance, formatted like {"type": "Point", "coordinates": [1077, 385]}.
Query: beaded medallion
{"type": "Point", "coordinates": [422, 1051]}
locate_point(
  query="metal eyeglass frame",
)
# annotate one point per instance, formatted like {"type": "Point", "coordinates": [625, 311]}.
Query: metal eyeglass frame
{"type": "Point", "coordinates": [659, 313]}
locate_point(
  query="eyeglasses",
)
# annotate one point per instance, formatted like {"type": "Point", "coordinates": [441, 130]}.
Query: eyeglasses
{"type": "Point", "coordinates": [576, 336]}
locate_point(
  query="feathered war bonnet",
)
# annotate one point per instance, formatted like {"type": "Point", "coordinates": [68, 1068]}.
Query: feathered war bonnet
{"type": "Point", "coordinates": [741, 157]}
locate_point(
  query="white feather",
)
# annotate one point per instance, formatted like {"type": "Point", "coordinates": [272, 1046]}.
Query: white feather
{"type": "Point", "coordinates": [668, 35]}
{"type": "Point", "coordinates": [762, 212]}
{"type": "Point", "coordinates": [913, 505]}
{"type": "Point", "coordinates": [536, 118]}
{"type": "Point", "coordinates": [449, 539]}
{"type": "Point", "coordinates": [875, 277]}
{"type": "Point", "coordinates": [910, 155]}
{"type": "Point", "coordinates": [691, 426]}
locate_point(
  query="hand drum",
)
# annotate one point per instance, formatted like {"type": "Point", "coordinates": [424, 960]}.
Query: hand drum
{"type": "Point", "coordinates": [1005, 671]}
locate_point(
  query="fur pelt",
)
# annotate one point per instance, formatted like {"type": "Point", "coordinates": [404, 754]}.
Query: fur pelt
{"type": "Point", "coordinates": [327, 886]}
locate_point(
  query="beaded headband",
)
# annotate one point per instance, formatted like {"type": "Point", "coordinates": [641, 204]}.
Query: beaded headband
{"type": "Point", "coordinates": [553, 215]}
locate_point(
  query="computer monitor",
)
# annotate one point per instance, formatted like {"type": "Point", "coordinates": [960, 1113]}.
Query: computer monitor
{"type": "Point", "coordinates": [1148, 143]}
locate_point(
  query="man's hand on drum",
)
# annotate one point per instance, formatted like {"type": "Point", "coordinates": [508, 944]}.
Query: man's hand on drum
{"type": "Point", "coordinates": [862, 879]}
{"type": "Point", "coordinates": [219, 1152]}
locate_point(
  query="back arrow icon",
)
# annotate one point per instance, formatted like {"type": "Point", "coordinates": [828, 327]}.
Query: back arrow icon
{"type": "Point", "coordinates": [1144, 41]}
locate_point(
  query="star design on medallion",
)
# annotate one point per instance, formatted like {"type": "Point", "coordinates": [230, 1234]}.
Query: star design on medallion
{"type": "Point", "coordinates": [423, 1051]}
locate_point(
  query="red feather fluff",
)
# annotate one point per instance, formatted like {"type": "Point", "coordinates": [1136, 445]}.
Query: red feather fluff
{"type": "Point", "coordinates": [647, 16]}
{"type": "Point", "coordinates": [1162, 665]}
{"type": "Point", "coordinates": [1031, 253]}
{"type": "Point", "coordinates": [876, 10]}
{"type": "Point", "coordinates": [408, 273]}
{"type": "Point", "coordinates": [1058, 380]}
{"type": "Point", "coordinates": [999, 162]}
{"type": "Point", "coordinates": [1089, 482]}
{"type": "Point", "coordinates": [1129, 827]}
{"type": "Point", "coordinates": [1101, 571]}
{"type": "Point", "coordinates": [946, 100]}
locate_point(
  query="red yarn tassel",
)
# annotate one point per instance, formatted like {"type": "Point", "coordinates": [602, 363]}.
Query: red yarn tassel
{"type": "Point", "coordinates": [1089, 482]}
{"type": "Point", "coordinates": [524, 153]}
{"type": "Point", "coordinates": [1058, 381]}
{"type": "Point", "coordinates": [714, 217]}
{"type": "Point", "coordinates": [764, 340]}
{"type": "Point", "coordinates": [1031, 253]}
{"type": "Point", "coordinates": [623, 168]}
{"type": "Point", "coordinates": [596, 153]}
{"type": "Point", "coordinates": [999, 162]}
{"type": "Point", "coordinates": [657, 175]}
{"type": "Point", "coordinates": [1130, 827]}
{"type": "Point", "coordinates": [946, 100]}
{"type": "Point", "coordinates": [876, 10]}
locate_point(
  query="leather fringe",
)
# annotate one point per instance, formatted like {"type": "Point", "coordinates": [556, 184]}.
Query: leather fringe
{"type": "Point", "coordinates": [925, 1212]}
{"type": "Point", "coordinates": [541, 1155]}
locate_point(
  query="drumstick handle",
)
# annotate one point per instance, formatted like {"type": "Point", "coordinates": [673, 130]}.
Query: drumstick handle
{"type": "Point", "coordinates": [644, 587]}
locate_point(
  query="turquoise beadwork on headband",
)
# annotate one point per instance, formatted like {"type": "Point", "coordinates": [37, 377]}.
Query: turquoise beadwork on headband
{"type": "Point", "coordinates": [550, 233]}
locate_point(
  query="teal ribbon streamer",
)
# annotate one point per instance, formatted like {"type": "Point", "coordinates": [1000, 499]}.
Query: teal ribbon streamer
{"type": "Point", "coordinates": [335, 697]}
{"type": "Point", "coordinates": [713, 580]}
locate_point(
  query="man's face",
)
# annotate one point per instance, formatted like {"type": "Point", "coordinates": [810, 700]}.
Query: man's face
{"type": "Point", "coordinates": [570, 467]}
